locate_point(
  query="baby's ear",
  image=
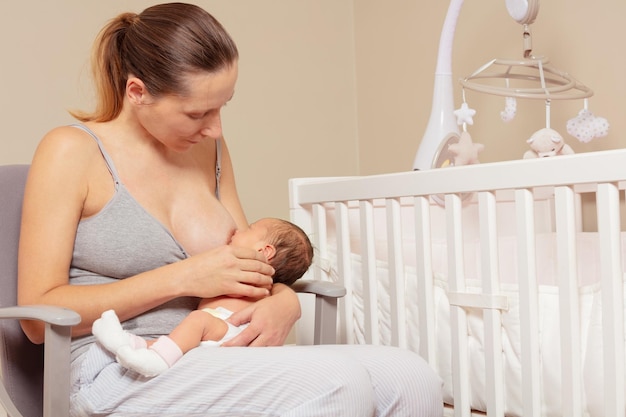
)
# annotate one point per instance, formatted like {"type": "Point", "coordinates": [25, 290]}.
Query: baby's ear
{"type": "Point", "coordinates": [269, 251]}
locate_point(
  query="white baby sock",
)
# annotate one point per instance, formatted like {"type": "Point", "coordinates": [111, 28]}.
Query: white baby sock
{"type": "Point", "coordinates": [150, 361]}
{"type": "Point", "coordinates": [109, 332]}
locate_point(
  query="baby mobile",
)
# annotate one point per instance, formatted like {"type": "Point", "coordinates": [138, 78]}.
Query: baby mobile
{"type": "Point", "coordinates": [444, 144]}
{"type": "Point", "coordinates": [535, 78]}
{"type": "Point", "coordinates": [553, 85]}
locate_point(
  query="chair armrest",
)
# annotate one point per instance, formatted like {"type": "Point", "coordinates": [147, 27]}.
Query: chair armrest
{"type": "Point", "coordinates": [326, 295]}
{"type": "Point", "coordinates": [58, 327]}
{"type": "Point", "coordinates": [322, 288]}
{"type": "Point", "coordinates": [57, 316]}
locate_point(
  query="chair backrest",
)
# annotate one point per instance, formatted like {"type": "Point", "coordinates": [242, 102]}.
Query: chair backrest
{"type": "Point", "coordinates": [21, 362]}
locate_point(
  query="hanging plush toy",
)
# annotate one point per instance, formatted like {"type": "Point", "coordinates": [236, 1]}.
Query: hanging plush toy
{"type": "Point", "coordinates": [547, 142]}
{"type": "Point", "coordinates": [587, 126]}
{"type": "Point", "coordinates": [464, 151]}
{"type": "Point", "coordinates": [510, 108]}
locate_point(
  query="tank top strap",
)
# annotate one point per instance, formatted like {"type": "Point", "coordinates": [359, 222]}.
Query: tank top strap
{"type": "Point", "coordinates": [105, 155]}
{"type": "Point", "coordinates": [218, 166]}
{"type": "Point", "coordinates": [113, 171]}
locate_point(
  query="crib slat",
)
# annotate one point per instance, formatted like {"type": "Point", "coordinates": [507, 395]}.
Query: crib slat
{"type": "Point", "coordinates": [458, 316]}
{"type": "Point", "coordinates": [607, 198]}
{"type": "Point", "coordinates": [319, 236]}
{"type": "Point", "coordinates": [396, 273]}
{"type": "Point", "coordinates": [303, 218]}
{"type": "Point", "coordinates": [529, 311]}
{"type": "Point", "coordinates": [571, 372]}
{"type": "Point", "coordinates": [493, 322]}
{"type": "Point", "coordinates": [346, 276]}
{"type": "Point", "coordinates": [424, 274]}
{"type": "Point", "coordinates": [370, 286]}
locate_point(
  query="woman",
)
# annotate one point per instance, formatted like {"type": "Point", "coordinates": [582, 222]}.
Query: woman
{"type": "Point", "coordinates": [126, 203]}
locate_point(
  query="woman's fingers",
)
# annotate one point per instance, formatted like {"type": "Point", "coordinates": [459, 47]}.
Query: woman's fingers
{"type": "Point", "coordinates": [253, 261]}
{"type": "Point", "coordinates": [270, 320]}
{"type": "Point", "coordinates": [245, 290]}
{"type": "Point", "coordinates": [248, 334]}
{"type": "Point", "coordinates": [240, 272]}
{"type": "Point", "coordinates": [255, 335]}
{"type": "Point", "coordinates": [255, 271]}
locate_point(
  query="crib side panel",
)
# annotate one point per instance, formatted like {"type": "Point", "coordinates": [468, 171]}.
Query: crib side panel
{"type": "Point", "coordinates": [489, 274]}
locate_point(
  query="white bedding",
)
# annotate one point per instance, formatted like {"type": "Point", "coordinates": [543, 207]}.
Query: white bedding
{"type": "Point", "coordinates": [590, 315]}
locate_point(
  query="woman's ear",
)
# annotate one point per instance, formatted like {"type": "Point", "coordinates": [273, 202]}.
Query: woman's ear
{"type": "Point", "coordinates": [269, 251]}
{"type": "Point", "coordinates": [136, 91]}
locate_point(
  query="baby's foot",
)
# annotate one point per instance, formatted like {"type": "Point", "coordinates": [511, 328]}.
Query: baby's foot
{"type": "Point", "coordinates": [144, 361]}
{"type": "Point", "coordinates": [110, 333]}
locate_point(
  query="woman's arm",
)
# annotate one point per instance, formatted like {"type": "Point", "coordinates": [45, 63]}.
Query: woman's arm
{"type": "Point", "coordinates": [62, 176]}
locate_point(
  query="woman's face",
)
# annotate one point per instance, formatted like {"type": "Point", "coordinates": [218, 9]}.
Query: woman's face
{"type": "Point", "coordinates": [179, 122]}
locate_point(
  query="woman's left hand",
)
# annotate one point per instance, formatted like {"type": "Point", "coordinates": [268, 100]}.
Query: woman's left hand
{"type": "Point", "coordinates": [271, 319]}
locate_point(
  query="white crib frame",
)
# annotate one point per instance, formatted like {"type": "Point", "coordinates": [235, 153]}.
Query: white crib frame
{"type": "Point", "coordinates": [542, 193]}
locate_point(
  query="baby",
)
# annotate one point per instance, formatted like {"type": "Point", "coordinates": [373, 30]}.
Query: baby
{"type": "Point", "coordinates": [286, 247]}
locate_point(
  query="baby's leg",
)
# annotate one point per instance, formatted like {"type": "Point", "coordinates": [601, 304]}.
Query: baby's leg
{"type": "Point", "coordinates": [167, 350]}
{"type": "Point", "coordinates": [149, 362]}
{"type": "Point", "coordinates": [198, 326]}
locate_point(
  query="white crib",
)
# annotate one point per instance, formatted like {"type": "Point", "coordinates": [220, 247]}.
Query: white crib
{"type": "Point", "coordinates": [507, 277]}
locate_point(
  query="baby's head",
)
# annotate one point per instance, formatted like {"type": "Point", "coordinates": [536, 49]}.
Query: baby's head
{"type": "Point", "coordinates": [285, 245]}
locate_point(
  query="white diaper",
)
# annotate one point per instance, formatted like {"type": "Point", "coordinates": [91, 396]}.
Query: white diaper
{"type": "Point", "coordinates": [223, 313]}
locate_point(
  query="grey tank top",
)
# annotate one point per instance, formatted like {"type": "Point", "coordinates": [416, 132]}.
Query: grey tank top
{"type": "Point", "coordinates": [120, 241]}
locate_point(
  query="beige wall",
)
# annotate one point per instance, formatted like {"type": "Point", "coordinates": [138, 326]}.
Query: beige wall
{"type": "Point", "coordinates": [397, 45]}
{"type": "Point", "coordinates": [294, 112]}
{"type": "Point", "coordinates": [327, 87]}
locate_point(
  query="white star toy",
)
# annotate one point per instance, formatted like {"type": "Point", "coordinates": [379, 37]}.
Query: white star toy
{"type": "Point", "coordinates": [464, 115]}
{"type": "Point", "coordinates": [465, 151]}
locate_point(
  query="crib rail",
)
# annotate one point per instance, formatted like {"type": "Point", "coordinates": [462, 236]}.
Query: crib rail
{"type": "Point", "coordinates": [484, 203]}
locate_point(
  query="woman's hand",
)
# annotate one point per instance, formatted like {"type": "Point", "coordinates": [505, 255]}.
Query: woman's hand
{"type": "Point", "coordinates": [271, 319]}
{"type": "Point", "coordinates": [232, 271]}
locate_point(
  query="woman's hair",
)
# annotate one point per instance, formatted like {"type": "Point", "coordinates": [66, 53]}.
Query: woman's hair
{"type": "Point", "coordinates": [159, 46]}
{"type": "Point", "coordinates": [294, 252]}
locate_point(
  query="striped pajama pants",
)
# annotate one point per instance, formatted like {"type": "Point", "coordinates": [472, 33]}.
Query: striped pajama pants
{"type": "Point", "coordinates": [289, 381]}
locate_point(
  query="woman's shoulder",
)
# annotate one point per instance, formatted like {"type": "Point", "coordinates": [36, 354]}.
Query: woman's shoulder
{"type": "Point", "coordinates": [67, 142]}
{"type": "Point", "coordinates": [66, 149]}
{"type": "Point", "coordinates": [67, 137]}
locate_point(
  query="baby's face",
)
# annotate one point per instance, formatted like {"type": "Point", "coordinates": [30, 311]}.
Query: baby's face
{"type": "Point", "coordinates": [254, 237]}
